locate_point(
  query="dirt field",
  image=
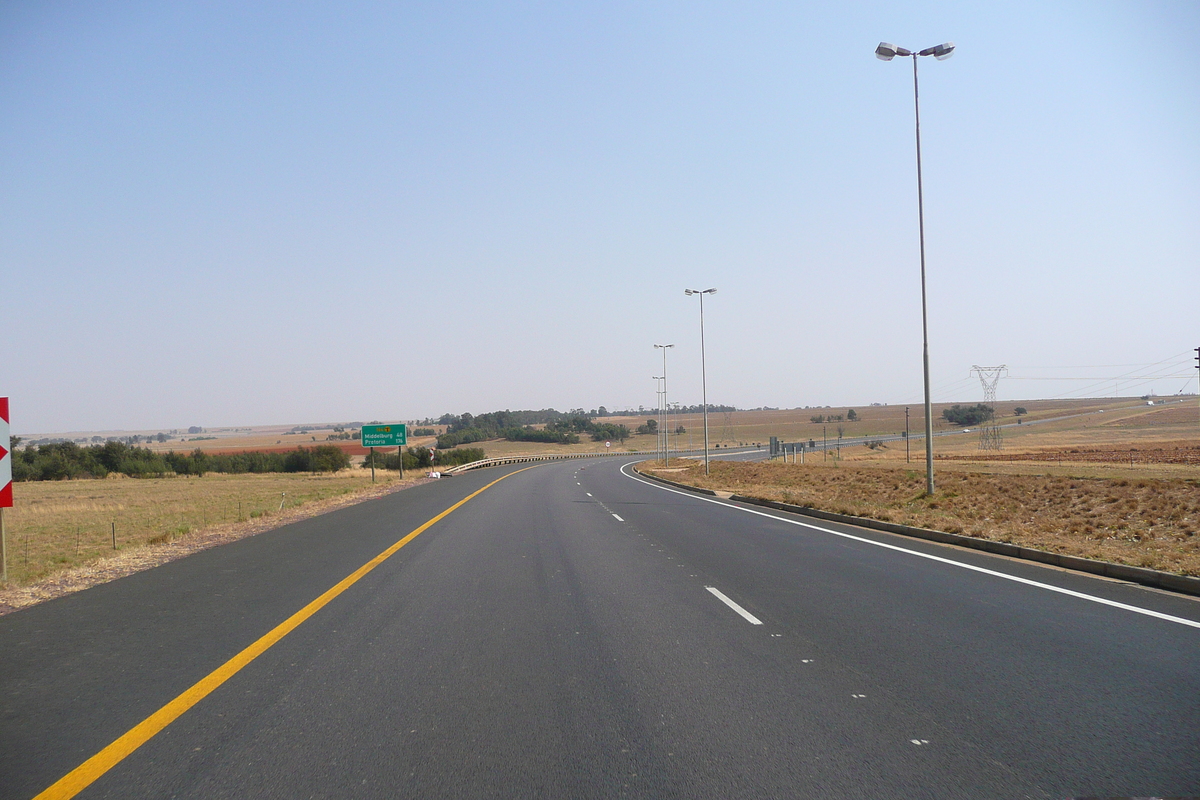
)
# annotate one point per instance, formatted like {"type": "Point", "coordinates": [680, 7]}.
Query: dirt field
{"type": "Point", "coordinates": [1162, 453]}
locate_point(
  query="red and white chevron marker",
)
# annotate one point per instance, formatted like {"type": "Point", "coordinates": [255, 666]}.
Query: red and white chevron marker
{"type": "Point", "coordinates": [5, 457]}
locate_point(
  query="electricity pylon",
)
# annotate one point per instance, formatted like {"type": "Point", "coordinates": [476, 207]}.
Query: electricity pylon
{"type": "Point", "coordinates": [990, 437]}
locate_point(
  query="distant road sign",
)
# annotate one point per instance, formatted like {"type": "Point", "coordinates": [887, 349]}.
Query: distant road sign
{"type": "Point", "coordinates": [384, 435]}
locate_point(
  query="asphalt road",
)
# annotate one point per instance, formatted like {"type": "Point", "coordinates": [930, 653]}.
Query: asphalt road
{"type": "Point", "coordinates": [563, 634]}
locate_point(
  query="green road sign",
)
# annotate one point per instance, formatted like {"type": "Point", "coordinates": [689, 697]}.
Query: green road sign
{"type": "Point", "coordinates": [384, 435]}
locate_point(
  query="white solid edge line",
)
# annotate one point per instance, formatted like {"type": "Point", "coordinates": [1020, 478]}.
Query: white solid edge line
{"type": "Point", "coordinates": [1102, 601]}
{"type": "Point", "coordinates": [753, 620]}
{"type": "Point", "coordinates": [618, 519]}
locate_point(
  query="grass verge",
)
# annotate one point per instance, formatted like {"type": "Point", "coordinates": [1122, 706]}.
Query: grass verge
{"type": "Point", "coordinates": [57, 525]}
{"type": "Point", "coordinates": [1142, 522]}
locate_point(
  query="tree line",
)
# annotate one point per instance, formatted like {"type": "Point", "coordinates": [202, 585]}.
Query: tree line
{"type": "Point", "coordinates": [423, 457]}
{"type": "Point", "coordinates": [64, 460]}
{"type": "Point", "coordinates": [517, 426]}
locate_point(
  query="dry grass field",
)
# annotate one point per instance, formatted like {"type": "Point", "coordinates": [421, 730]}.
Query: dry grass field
{"type": "Point", "coordinates": [1151, 519]}
{"type": "Point", "coordinates": [277, 438]}
{"type": "Point", "coordinates": [60, 524]}
{"type": "Point", "coordinates": [1112, 479]}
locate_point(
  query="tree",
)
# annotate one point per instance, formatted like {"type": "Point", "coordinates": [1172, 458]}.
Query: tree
{"type": "Point", "coordinates": [605, 431]}
{"type": "Point", "coordinates": [852, 415]}
{"type": "Point", "coordinates": [651, 426]}
{"type": "Point", "coordinates": [1020, 411]}
{"type": "Point", "coordinates": [968, 415]}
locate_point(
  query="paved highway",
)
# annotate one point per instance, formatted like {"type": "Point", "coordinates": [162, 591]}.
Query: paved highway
{"type": "Point", "coordinates": [573, 631]}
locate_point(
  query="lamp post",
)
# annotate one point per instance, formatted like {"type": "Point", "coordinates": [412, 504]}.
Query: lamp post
{"type": "Point", "coordinates": [703, 374]}
{"type": "Point", "coordinates": [666, 408]}
{"type": "Point", "coordinates": [659, 412]}
{"type": "Point", "coordinates": [886, 52]}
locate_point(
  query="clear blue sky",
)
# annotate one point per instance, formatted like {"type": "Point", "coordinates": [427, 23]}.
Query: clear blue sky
{"type": "Point", "coordinates": [244, 213]}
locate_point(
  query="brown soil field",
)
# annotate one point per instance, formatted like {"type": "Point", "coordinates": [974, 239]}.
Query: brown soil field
{"type": "Point", "coordinates": [1166, 453]}
{"type": "Point", "coordinates": [1143, 522]}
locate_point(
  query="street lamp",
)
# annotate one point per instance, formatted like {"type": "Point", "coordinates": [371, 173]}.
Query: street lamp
{"type": "Point", "coordinates": [666, 408]}
{"type": "Point", "coordinates": [703, 374]}
{"type": "Point", "coordinates": [658, 392]}
{"type": "Point", "coordinates": [886, 52]}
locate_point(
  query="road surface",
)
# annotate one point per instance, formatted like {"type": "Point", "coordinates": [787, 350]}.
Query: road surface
{"type": "Point", "coordinates": [573, 631]}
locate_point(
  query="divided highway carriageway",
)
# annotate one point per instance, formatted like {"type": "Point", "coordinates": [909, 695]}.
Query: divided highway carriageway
{"type": "Point", "coordinates": [569, 630]}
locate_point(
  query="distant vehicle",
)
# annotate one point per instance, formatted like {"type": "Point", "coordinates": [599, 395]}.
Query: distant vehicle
{"type": "Point", "coordinates": [966, 430]}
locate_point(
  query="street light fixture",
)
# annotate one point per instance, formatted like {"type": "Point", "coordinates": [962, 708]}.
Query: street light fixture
{"type": "Point", "coordinates": [703, 374]}
{"type": "Point", "coordinates": [886, 52]}
{"type": "Point", "coordinates": [666, 408]}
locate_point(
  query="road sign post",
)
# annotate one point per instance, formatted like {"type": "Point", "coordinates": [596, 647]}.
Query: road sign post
{"type": "Point", "coordinates": [373, 436]}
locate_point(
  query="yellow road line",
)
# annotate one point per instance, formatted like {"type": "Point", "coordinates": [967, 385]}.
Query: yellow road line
{"type": "Point", "coordinates": [82, 776]}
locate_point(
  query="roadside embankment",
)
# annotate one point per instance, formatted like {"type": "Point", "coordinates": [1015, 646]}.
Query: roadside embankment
{"type": "Point", "coordinates": [1146, 523]}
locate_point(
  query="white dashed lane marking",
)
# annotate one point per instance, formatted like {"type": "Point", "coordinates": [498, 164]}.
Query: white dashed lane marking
{"type": "Point", "coordinates": [746, 615]}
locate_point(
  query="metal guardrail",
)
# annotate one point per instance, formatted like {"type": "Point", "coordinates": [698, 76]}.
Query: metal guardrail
{"type": "Point", "coordinates": [496, 462]}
